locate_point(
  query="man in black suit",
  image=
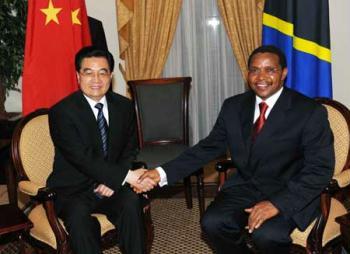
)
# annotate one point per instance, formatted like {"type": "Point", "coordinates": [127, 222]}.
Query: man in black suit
{"type": "Point", "coordinates": [93, 131]}
{"type": "Point", "coordinates": [282, 147]}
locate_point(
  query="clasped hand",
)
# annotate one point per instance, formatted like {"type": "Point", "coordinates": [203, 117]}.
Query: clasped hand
{"type": "Point", "coordinates": [260, 213]}
{"type": "Point", "coordinates": [143, 180]}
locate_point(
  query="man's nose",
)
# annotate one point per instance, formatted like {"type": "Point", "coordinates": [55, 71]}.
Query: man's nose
{"type": "Point", "coordinates": [96, 76]}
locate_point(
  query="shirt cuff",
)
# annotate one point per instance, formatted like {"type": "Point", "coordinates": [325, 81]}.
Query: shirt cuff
{"type": "Point", "coordinates": [126, 177]}
{"type": "Point", "coordinates": [163, 179]}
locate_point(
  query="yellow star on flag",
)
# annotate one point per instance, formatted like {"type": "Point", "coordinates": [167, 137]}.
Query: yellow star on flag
{"type": "Point", "coordinates": [75, 19]}
{"type": "Point", "coordinates": [51, 13]}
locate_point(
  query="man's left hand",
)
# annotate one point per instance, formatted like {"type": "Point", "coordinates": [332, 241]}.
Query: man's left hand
{"type": "Point", "coordinates": [260, 213]}
{"type": "Point", "coordinates": [103, 190]}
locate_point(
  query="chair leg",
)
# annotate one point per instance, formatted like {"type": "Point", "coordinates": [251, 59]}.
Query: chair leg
{"type": "Point", "coordinates": [149, 228]}
{"type": "Point", "coordinates": [200, 192]}
{"type": "Point", "coordinates": [188, 192]}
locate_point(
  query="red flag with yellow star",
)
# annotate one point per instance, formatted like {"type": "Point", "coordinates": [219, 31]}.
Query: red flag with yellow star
{"type": "Point", "coordinates": [56, 30]}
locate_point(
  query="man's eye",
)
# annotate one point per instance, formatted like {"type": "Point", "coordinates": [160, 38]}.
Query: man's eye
{"type": "Point", "coordinates": [103, 73]}
{"type": "Point", "coordinates": [254, 71]}
{"type": "Point", "coordinates": [271, 70]}
{"type": "Point", "coordinates": [87, 73]}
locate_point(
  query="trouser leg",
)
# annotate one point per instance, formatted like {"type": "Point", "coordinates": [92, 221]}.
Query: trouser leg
{"type": "Point", "coordinates": [83, 229]}
{"type": "Point", "coordinates": [273, 236]}
{"type": "Point", "coordinates": [225, 219]}
{"type": "Point", "coordinates": [124, 210]}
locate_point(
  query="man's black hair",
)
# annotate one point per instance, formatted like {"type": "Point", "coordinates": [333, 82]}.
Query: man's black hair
{"type": "Point", "coordinates": [269, 49]}
{"type": "Point", "coordinates": [92, 51]}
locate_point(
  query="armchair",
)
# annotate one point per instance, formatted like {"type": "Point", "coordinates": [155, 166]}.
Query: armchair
{"type": "Point", "coordinates": [323, 235]}
{"type": "Point", "coordinates": [33, 154]}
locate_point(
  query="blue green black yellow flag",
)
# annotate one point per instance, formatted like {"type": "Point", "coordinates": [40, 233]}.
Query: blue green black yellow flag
{"type": "Point", "coordinates": [301, 29]}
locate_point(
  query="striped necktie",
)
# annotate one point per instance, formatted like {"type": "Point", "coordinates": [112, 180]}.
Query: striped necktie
{"type": "Point", "coordinates": [103, 128]}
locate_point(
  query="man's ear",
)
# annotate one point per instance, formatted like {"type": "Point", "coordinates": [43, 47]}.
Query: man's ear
{"type": "Point", "coordinates": [284, 73]}
{"type": "Point", "coordinates": [78, 77]}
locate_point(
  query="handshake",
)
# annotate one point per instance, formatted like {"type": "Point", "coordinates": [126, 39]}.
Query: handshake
{"type": "Point", "coordinates": [143, 180]}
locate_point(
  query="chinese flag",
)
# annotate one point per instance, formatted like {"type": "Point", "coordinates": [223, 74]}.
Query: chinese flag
{"type": "Point", "coordinates": [56, 30]}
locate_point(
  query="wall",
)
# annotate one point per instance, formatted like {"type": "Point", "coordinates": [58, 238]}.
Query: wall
{"type": "Point", "coordinates": [340, 43]}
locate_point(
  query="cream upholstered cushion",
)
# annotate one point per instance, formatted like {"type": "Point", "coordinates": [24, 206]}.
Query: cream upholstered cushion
{"type": "Point", "coordinates": [28, 187]}
{"type": "Point", "coordinates": [341, 134]}
{"type": "Point", "coordinates": [36, 150]}
{"type": "Point", "coordinates": [43, 232]}
{"type": "Point", "coordinates": [332, 229]}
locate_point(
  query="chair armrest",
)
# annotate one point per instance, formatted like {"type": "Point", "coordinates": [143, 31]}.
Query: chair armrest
{"type": "Point", "coordinates": [224, 165]}
{"type": "Point", "coordinates": [223, 168]}
{"type": "Point", "coordinates": [28, 187]}
{"type": "Point", "coordinates": [332, 188]}
{"type": "Point", "coordinates": [45, 194]}
{"type": "Point", "coordinates": [343, 178]}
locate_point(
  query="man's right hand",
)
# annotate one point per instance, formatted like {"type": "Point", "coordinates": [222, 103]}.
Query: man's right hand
{"type": "Point", "coordinates": [140, 186]}
{"type": "Point", "coordinates": [149, 176]}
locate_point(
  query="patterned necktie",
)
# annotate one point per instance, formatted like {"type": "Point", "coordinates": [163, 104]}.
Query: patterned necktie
{"type": "Point", "coordinates": [261, 119]}
{"type": "Point", "coordinates": [103, 127]}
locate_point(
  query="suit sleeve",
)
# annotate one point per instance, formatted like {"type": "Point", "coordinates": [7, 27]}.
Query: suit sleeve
{"type": "Point", "coordinates": [214, 145]}
{"type": "Point", "coordinates": [317, 170]}
{"type": "Point", "coordinates": [79, 152]}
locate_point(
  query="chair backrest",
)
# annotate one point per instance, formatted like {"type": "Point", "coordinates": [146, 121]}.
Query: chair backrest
{"type": "Point", "coordinates": [339, 119]}
{"type": "Point", "coordinates": [161, 107]}
{"type": "Point", "coordinates": [32, 148]}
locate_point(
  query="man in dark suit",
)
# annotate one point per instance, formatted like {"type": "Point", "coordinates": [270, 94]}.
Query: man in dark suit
{"type": "Point", "coordinates": [282, 147]}
{"type": "Point", "coordinates": [93, 131]}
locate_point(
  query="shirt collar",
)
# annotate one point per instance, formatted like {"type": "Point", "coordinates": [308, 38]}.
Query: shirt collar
{"type": "Point", "coordinates": [271, 101]}
{"type": "Point", "coordinates": [92, 103]}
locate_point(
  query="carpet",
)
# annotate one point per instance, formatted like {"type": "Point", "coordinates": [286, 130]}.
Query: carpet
{"type": "Point", "coordinates": [176, 228]}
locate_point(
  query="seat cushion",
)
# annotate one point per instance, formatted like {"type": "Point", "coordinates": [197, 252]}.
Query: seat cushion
{"type": "Point", "coordinates": [155, 155]}
{"type": "Point", "coordinates": [332, 229]}
{"type": "Point", "coordinates": [43, 232]}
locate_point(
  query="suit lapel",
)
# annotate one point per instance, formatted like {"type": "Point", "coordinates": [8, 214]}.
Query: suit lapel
{"type": "Point", "coordinates": [115, 126]}
{"type": "Point", "coordinates": [246, 117]}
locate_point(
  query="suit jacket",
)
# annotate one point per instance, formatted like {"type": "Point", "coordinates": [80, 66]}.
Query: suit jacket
{"type": "Point", "coordinates": [79, 161]}
{"type": "Point", "coordinates": [290, 162]}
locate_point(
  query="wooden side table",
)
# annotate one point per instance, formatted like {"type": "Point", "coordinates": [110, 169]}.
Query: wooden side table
{"type": "Point", "coordinates": [344, 222]}
{"type": "Point", "coordinates": [12, 220]}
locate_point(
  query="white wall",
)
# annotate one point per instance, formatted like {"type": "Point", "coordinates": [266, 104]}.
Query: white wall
{"type": "Point", "coordinates": [105, 10]}
{"type": "Point", "coordinates": [340, 45]}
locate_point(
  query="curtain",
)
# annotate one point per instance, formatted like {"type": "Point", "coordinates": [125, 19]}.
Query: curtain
{"type": "Point", "coordinates": [243, 23]}
{"type": "Point", "coordinates": [202, 50]}
{"type": "Point", "coordinates": [146, 29]}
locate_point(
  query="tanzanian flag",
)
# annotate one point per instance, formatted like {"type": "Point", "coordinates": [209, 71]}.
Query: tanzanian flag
{"type": "Point", "coordinates": [301, 29]}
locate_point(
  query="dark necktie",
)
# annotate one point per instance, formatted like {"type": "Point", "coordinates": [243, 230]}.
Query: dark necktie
{"type": "Point", "coordinates": [261, 119]}
{"type": "Point", "coordinates": [103, 127]}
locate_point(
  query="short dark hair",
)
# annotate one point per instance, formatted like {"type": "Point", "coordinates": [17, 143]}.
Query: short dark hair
{"type": "Point", "coordinates": [269, 49]}
{"type": "Point", "coordinates": [92, 51]}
